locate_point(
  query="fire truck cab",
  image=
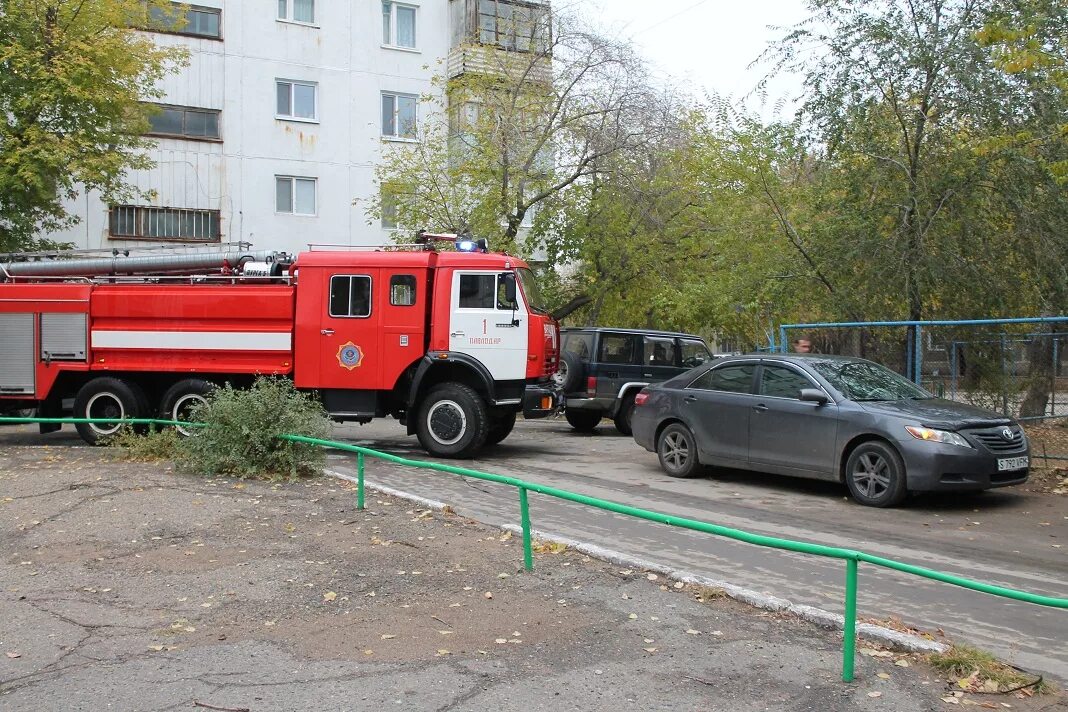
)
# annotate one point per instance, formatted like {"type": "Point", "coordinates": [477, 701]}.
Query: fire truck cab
{"type": "Point", "coordinates": [453, 344]}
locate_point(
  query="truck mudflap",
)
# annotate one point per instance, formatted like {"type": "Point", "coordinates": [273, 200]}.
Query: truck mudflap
{"type": "Point", "coordinates": [541, 401]}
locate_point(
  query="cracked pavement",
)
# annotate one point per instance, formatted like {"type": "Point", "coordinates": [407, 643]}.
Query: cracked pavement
{"type": "Point", "coordinates": [125, 586]}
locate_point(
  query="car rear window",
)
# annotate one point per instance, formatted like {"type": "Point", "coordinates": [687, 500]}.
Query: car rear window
{"type": "Point", "coordinates": [732, 379]}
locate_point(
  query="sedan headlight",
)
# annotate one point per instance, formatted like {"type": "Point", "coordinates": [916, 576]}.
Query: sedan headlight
{"type": "Point", "coordinates": [937, 436]}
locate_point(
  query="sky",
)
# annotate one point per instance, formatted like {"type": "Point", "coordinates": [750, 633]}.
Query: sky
{"type": "Point", "coordinates": [705, 45]}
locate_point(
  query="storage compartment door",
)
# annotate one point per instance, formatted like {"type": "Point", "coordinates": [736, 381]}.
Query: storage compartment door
{"type": "Point", "coordinates": [16, 354]}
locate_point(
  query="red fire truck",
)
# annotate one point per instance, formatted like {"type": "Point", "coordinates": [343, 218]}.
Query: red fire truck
{"type": "Point", "coordinates": [452, 343]}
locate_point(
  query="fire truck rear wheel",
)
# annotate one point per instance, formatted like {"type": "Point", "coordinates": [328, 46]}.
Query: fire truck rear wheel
{"type": "Point", "coordinates": [181, 398]}
{"type": "Point", "coordinates": [107, 398]}
{"type": "Point", "coordinates": [452, 421]}
{"type": "Point", "coordinates": [501, 426]}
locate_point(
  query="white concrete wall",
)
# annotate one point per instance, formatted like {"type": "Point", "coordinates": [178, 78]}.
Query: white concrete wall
{"type": "Point", "coordinates": [344, 54]}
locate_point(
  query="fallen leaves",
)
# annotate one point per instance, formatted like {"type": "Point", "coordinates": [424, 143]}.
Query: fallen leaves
{"type": "Point", "coordinates": [329, 596]}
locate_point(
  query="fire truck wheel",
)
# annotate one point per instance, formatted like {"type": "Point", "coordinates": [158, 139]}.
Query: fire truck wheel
{"type": "Point", "coordinates": [107, 398]}
{"type": "Point", "coordinates": [452, 421]}
{"type": "Point", "coordinates": [500, 426]}
{"type": "Point", "coordinates": [181, 398]}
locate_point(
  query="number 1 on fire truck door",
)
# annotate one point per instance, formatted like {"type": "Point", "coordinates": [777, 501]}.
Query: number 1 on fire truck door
{"type": "Point", "coordinates": [489, 322]}
{"type": "Point", "coordinates": [349, 333]}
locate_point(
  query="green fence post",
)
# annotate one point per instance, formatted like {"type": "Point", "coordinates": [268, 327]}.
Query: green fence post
{"type": "Point", "coordinates": [359, 480]}
{"type": "Point", "coordinates": [524, 515]}
{"type": "Point", "coordinates": [849, 630]}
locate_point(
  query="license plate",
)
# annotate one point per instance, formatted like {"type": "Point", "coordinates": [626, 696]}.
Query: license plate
{"type": "Point", "coordinates": [1012, 463]}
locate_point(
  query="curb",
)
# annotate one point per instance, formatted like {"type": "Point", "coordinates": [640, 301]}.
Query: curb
{"type": "Point", "coordinates": [428, 503]}
{"type": "Point", "coordinates": [822, 618]}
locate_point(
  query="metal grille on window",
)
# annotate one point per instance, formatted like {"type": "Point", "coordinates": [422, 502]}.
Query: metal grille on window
{"type": "Point", "coordinates": [131, 221]}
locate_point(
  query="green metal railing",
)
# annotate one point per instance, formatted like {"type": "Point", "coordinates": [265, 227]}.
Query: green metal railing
{"type": "Point", "coordinates": [850, 556]}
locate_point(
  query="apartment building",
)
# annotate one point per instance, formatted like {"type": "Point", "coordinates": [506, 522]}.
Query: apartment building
{"type": "Point", "coordinates": [270, 135]}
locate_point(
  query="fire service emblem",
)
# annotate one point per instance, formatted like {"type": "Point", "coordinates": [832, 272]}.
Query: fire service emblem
{"type": "Point", "coordinates": [349, 355]}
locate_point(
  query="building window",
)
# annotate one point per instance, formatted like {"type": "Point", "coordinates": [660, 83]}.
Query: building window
{"type": "Point", "coordinates": [350, 295]}
{"type": "Point", "coordinates": [194, 20]}
{"type": "Point", "coordinates": [512, 25]}
{"type": "Point", "coordinates": [134, 222]}
{"type": "Point", "coordinates": [402, 290]}
{"type": "Point", "coordinates": [398, 25]}
{"type": "Point", "coordinates": [296, 100]}
{"type": "Point", "coordinates": [294, 195]}
{"type": "Point", "coordinates": [399, 115]}
{"type": "Point", "coordinates": [184, 122]}
{"type": "Point", "coordinates": [297, 11]}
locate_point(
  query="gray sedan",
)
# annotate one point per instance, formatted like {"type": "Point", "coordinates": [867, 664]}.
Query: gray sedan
{"type": "Point", "coordinates": [830, 418]}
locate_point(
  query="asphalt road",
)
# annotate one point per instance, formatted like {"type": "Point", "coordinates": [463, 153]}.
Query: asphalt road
{"type": "Point", "coordinates": [1016, 537]}
{"type": "Point", "coordinates": [1013, 537]}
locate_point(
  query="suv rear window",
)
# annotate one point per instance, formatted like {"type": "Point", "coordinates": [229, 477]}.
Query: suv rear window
{"type": "Point", "coordinates": [619, 348]}
{"type": "Point", "coordinates": [579, 344]}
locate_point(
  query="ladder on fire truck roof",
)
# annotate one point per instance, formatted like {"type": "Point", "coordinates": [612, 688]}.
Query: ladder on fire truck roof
{"type": "Point", "coordinates": [158, 263]}
{"type": "Point", "coordinates": [126, 250]}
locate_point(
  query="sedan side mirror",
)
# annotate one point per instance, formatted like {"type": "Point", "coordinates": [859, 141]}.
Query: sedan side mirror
{"type": "Point", "coordinates": [813, 395]}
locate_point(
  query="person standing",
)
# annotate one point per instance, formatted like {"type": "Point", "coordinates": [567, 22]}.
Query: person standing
{"type": "Point", "coordinates": [802, 346]}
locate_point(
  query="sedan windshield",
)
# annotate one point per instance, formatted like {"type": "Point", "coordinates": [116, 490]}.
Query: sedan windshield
{"type": "Point", "coordinates": [867, 381]}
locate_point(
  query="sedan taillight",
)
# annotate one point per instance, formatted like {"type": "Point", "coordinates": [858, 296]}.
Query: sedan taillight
{"type": "Point", "coordinates": [643, 395]}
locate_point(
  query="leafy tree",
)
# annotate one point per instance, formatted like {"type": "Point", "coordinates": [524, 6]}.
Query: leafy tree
{"type": "Point", "coordinates": [74, 76]}
{"type": "Point", "coordinates": [896, 100]}
{"type": "Point", "coordinates": [516, 128]}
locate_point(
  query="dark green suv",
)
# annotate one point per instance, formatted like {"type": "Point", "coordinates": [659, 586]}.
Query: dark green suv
{"type": "Point", "coordinates": [602, 369]}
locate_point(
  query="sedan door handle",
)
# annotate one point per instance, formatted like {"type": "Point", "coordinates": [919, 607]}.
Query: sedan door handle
{"type": "Point", "coordinates": [690, 399]}
{"type": "Point", "coordinates": [760, 408]}
{"type": "Point", "coordinates": [326, 332]}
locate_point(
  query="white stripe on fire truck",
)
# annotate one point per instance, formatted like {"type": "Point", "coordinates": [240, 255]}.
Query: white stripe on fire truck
{"type": "Point", "coordinates": [194, 340]}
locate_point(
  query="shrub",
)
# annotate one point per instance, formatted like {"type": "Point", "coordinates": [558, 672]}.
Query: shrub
{"type": "Point", "coordinates": [152, 446]}
{"type": "Point", "coordinates": [241, 428]}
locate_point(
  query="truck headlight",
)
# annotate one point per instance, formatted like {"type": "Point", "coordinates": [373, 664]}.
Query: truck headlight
{"type": "Point", "coordinates": [937, 436]}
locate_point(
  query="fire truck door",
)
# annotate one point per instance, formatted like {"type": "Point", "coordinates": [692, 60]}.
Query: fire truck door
{"type": "Point", "coordinates": [489, 322]}
{"type": "Point", "coordinates": [349, 354]}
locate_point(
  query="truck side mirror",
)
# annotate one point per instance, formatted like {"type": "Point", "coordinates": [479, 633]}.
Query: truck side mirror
{"type": "Point", "coordinates": [508, 282]}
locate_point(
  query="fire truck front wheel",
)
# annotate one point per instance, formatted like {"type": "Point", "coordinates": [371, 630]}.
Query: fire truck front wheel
{"type": "Point", "coordinates": [502, 422]}
{"type": "Point", "coordinates": [452, 421]}
{"type": "Point", "coordinates": [107, 398]}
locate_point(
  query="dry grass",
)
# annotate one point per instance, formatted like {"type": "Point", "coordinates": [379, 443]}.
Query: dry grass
{"type": "Point", "coordinates": [975, 670]}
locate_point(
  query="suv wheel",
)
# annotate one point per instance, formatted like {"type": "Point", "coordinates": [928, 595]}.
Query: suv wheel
{"type": "Point", "coordinates": [569, 373]}
{"type": "Point", "coordinates": [583, 420]}
{"type": "Point", "coordinates": [625, 414]}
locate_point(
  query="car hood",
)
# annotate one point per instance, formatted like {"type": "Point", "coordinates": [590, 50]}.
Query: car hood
{"type": "Point", "coordinates": [937, 413]}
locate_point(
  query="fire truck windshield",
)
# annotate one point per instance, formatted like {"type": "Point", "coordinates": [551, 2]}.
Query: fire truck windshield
{"type": "Point", "coordinates": [531, 291]}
